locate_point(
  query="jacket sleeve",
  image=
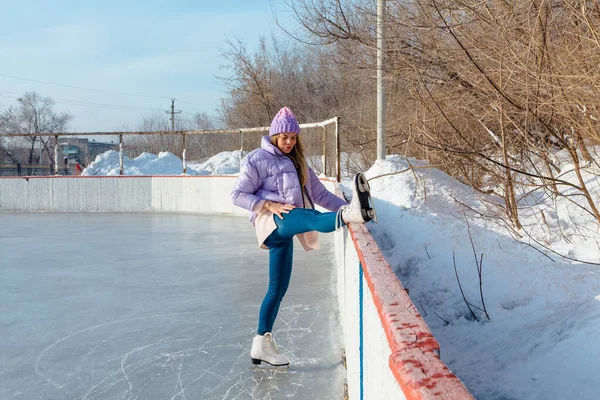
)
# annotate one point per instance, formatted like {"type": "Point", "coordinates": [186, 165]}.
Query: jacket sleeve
{"type": "Point", "coordinates": [248, 182]}
{"type": "Point", "coordinates": [322, 196]}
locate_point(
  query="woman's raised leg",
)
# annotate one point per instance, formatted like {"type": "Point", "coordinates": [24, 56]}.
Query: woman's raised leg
{"type": "Point", "coordinates": [300, 220]}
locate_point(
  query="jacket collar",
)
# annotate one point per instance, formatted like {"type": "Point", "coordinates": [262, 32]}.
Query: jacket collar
{"type": "Point", "coordinates": [266, 144]}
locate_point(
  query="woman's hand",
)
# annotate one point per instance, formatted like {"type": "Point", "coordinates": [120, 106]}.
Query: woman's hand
{"type": "Point", "coordinates": [278, 208]}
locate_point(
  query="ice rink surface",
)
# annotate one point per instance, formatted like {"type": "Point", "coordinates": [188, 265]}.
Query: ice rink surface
{"type": "Point", "coordinates": [156, 306]}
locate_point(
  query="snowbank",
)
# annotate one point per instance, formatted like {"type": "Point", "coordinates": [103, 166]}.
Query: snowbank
{"type": "Point", "coordinates": [541, 337]}
{"type": "Point", "coordinates": [107, 164]}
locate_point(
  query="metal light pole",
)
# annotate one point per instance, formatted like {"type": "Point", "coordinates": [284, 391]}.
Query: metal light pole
{"type": "Point", "coordinates": [173, 112]}
{"type": "Point", "coordinates": [380, 89]}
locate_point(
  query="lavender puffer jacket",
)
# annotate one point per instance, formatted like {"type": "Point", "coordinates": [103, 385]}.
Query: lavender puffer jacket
{"type": "Point", "coordinates": [267, 174]}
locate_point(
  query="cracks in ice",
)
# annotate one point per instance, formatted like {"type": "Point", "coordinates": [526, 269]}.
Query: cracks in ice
{"type": "Point", "coordinates": [99, 362]}
{"type": "Point", "coordinates": [181, 355]}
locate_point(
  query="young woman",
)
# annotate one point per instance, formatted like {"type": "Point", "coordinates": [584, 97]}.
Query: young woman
{"type": "Point", "coordinates": [281, 191]}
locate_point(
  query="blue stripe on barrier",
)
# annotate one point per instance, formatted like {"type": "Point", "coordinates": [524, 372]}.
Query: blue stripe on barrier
{"type": "Point", "coordinates": [360, 332]}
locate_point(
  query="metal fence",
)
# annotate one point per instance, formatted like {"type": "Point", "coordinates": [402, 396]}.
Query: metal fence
{"type": "Point", "coordinates": [320, 140]}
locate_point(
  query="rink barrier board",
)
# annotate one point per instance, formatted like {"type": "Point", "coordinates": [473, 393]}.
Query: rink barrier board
{"type": "Point", "coordinates": [413, 356]}
{"type": "Point", "coordinates": [194, 194]}
{"type": "Point", "coordinates": [390, 352]}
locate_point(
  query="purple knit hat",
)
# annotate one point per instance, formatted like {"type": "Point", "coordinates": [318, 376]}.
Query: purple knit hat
{"type": "Point", "coordinates": [284, 122]}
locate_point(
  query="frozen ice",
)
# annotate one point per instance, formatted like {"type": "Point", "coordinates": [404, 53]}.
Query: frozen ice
{"type": "Point", "coordinates": [156, 306]}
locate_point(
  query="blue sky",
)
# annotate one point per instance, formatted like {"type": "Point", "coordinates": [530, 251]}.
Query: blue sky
{"type": "Point", "coordinates": [158, 49]}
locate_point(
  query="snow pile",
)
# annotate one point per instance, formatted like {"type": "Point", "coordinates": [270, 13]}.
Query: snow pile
{"type": "Point", "coordinates": [107, 164]}
{"type": "Point", "coordinates": [224, 163]}
{"type": "Point", "coordinates": [561, 222]}
{"type": "Point", "coordinates": [149, 164]}
{"type": "Point", "coordinates": [541, 341]}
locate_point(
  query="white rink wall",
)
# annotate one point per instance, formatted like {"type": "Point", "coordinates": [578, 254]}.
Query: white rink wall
{"type": "Point", "coordinates": [71, 194]}
{"type": "Point", "coordinates": [206, 195]}
{"type": "Point", "coordinates": [367, 351]}
{"type": "Point", "coordinates": [390, 353]}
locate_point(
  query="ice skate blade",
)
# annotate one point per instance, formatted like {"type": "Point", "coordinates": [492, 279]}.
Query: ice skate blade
{"type": "Point", "coordinates": [366, 214]}
{"type": "Point", "coordinates": [270, 368]}
{"type": "Point", "coordinates": [366, 206]}
{"type": "Point", "coordinates": [258, 361]}
{"type": "Point", "coordinates": [374, 216]}
{"type": "Point", "coordinates": [369, 214]}
{"type": "Point", "coordinates": [361, 183]}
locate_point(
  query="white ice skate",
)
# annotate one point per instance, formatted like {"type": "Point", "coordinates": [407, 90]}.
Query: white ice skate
{"type": "Point", "coordinates": [361, 207]}
{"type": "Point", "coordinates": [265, 349]}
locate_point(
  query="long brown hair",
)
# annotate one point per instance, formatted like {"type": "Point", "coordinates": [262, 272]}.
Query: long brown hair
{"type": "Point", "coordinates": [297, 157]}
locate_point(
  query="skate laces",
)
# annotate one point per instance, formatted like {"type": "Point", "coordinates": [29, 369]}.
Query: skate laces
{"type": "Point", "coordinates": [338, 217]}
{"type": "Point", "coordinates": [271, 343]}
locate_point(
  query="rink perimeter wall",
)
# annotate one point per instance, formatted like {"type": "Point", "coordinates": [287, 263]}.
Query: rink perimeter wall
{"type": "Point", "coordinates": [390, 352]}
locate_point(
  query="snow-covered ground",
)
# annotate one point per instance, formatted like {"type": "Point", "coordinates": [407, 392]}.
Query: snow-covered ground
{"type": "Point", "coordinates": [542, 338]}
{"type": "Point", "coordinates": [107, 164]}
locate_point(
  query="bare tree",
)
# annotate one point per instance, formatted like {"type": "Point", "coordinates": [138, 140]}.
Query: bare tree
{"type": "Point", "coordinates": [486, 91]}
{"type": "Point", "coordinates": [35, 115]}
{"type": "Point", "coordinates": [157, 122]}
{"type": "Point", "coordinates": [199, 147]}
{"type": "Point", "coordinates": [201, 121]}
{"type": "Point", "coordinates": [6, 153]}
{"type": "Point", "coordinates": [316, 82]}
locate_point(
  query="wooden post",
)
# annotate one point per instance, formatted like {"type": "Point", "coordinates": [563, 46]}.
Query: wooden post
{"type": "Point", "coordinates": [183, 155]}
{"type": "Point", "coordinates": [241, 147]}
{"type": "Point", "coordinates": [337, 150]}
{"type": "Point", "coordinates": [55, 154]}
{"type": "Point", "coordinates": [324, 159]}
{"type": "Point", "coordinates": [121, 155]}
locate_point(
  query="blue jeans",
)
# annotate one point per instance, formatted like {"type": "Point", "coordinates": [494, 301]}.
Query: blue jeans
{"type": "Point", "coordinates": [280, 244]}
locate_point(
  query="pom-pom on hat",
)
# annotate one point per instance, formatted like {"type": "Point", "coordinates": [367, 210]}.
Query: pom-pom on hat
{"type": "Point", "coordinates": [284, 122]}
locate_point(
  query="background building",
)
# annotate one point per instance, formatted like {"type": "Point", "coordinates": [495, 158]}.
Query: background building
{"type": "Point", "coordinates": [82, 150]}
